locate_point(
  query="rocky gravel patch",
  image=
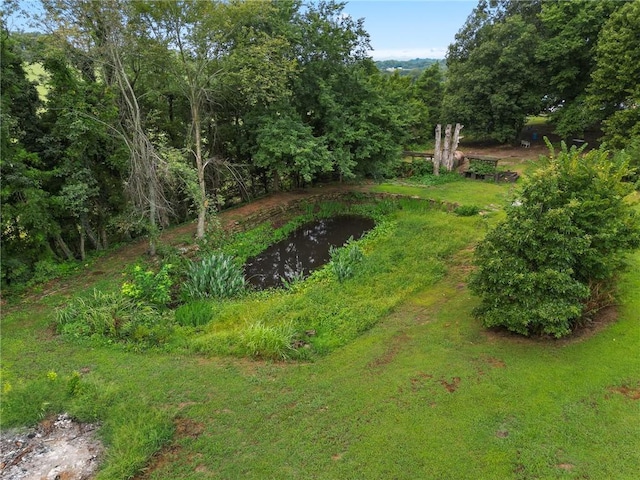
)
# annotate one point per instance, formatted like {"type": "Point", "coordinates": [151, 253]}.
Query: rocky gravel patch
{"type": "Point", "coordinates": [57, 449]}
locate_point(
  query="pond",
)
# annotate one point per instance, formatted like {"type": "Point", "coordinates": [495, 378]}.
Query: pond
{"type": "Point", "coordinates": [305, 250]}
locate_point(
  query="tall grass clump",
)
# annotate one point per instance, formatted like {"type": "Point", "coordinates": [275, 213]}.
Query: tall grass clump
{"type": "Point", "coordinates": [29, 402]}
{"type": "Point", "coordinates": [217, 276]}
{"type": "Point", "coordinates": [268, 341]}
{"type": "Point", "coordinates": [111, 315]}
{"type": "Point", "coordinates": [194, 314]}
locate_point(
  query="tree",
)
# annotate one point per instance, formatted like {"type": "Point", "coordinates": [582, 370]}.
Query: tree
{"type": "Point", "coordinates": [26, 225]}
{"type": "Point", "coordinates": [287, 148]}
{"type": "Point", "coordinates": [99, 35]}
{"type": "Point", "coordinates": [493, 82]}
{"type": "Point", "coordinates": [564, 238]}
{"type": "Point", "coordinates": [78, 148]}
{"type": "Point", "coordinates": [429, 90]}
{"type": "Point", "coordinates": [212, 43]}
{"type": "Point", "coordinates": [614, 93]}
{"type": "Point", "coordinates": [566, 53]}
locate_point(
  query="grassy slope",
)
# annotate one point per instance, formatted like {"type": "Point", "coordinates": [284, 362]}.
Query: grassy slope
{"type": "Point", "coordinates": [427, 393]}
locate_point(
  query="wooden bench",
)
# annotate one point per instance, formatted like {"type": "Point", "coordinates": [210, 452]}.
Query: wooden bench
{"type": "Point", "coordinates": [426, 155]}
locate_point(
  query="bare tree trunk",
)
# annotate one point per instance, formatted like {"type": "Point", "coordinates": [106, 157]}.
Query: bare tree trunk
{"type": "Point", "coordinates": [456, 141]}
{"type": "Point", "coordinates": [82, 251]}
{"type": "Point", "coordinates": [103, 236]}
{"type": "Point", "coordinates": [144, 185]}
{"type": "Point", "coordinates": [200, 165]}
{"type": "Point", "coordinates": [437, 154]}
{"type": "Point", "coordinates": [60, 243]}
{"type": "Point", "coordinates": [456, 137]}
{"type": "Point", "coordinates": [91, 235]}
{"type": "Point", "coordinates": [447, 149]}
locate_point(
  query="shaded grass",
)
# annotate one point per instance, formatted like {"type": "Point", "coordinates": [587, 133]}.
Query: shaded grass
{"type": "Point", "coordinates": [426, 392]}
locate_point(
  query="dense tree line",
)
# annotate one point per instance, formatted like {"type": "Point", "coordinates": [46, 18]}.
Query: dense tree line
{"type": "Point", "coordinates": [161, 111]}
{"type": "Point", "coordinates": [578, 60]}
{"type": "Point", "coordinates": [157, 112]}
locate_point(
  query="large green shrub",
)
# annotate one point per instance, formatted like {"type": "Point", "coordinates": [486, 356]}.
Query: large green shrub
{"type": "Point", "coordinates": [563, 240]}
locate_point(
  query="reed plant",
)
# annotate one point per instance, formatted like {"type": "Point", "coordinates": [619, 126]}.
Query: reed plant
{"type": "Point", "coordinates": [345, 260]}
{"type": "Point", "coordinates": [216, 276]}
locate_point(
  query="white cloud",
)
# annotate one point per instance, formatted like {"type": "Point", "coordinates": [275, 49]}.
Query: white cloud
{"type": "Point", "coordinates": [408, 53]}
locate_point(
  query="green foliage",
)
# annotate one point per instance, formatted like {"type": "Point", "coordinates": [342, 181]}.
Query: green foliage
{"type": "Point", "coordinates": [632, 155]}
{"type": "Point", "coordinates": [287, 146]}
{"type": "Point", "coordinates": [345, 260]}
{"type": "Point", "coordinates": [149, 286]}
{"type": "Point", "coordinates": [614, 93]}
{"type": "Point", "coordinates": [563, 239]}
{"type": "Point", "coordinates": [216, 276]}
{"type": "Point", "coordinates": [27, 403]}
{"type": "Point", "coordinates": [112, 316]}
{"type": "Point", "coordinates": [577, 60]}
{"type": "Point", "coordinates": [429, 89]}
{"type": "Point", "coordinates": [467, 210]}
{"type": "Point", "coordinates": [134, 432]}
{"type": "Point", "coordinates": [408, 169]}
{"type": "Point", "coordinates": [430, 180]}
{"type": "Point", "coordinates": [194, 313]}
{"type": "Point", "coordinates": [492, 88]}
{"type": "Point", "coordinates": [568, 36]}
{"type": "Point", "coordinates": [481, 168]}
{"type": "Point", "coordinates": [267, 341]}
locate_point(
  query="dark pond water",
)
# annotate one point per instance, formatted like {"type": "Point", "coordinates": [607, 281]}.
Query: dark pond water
{"type": "Point", "coordinates": [305, 250]}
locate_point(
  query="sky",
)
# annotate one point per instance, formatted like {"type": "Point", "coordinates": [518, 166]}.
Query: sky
{"type": "Point", "coordinates": [399, 29]}
{"type": "Point", "coordinates": [404, 29]}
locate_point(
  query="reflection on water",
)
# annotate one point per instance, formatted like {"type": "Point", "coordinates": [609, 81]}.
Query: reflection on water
{"type": "Point", "coordinates": [305, 250]}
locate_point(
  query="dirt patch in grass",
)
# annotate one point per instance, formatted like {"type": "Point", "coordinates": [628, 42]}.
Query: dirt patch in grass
{"type": "Point", "coordinates": [418, 381]}
{"type": "Point", "coordinates": [451, 386]}
{"type": "Point", "coordinates": [496, 362]}
{"type": "Point", "coordinates": [58, 448]}
{"type": "Point", "coordinates": [387, 357]}
{"type": "Point", "coordinates": [632, 393]}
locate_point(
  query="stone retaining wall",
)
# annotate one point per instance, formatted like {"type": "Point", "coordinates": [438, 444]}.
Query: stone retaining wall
{"type": "Point", "coordinates": [282, 213]}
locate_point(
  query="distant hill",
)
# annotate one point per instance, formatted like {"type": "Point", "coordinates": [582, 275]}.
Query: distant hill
{"type": "Point", "coordinates": [411, 68]}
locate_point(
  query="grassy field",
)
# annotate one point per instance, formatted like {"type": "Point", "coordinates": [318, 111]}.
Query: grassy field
{"type": "Point", "coordinates": [37, 74]}
{"type": "Point", "coordinates": [411, 387]}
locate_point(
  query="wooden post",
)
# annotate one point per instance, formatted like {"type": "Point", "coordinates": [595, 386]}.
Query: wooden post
{"type": "Point", "coordinates": [437, 154]}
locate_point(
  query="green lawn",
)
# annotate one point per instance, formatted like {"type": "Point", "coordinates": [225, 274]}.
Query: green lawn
{"type": "Point", "coordinates": [421, 391]}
